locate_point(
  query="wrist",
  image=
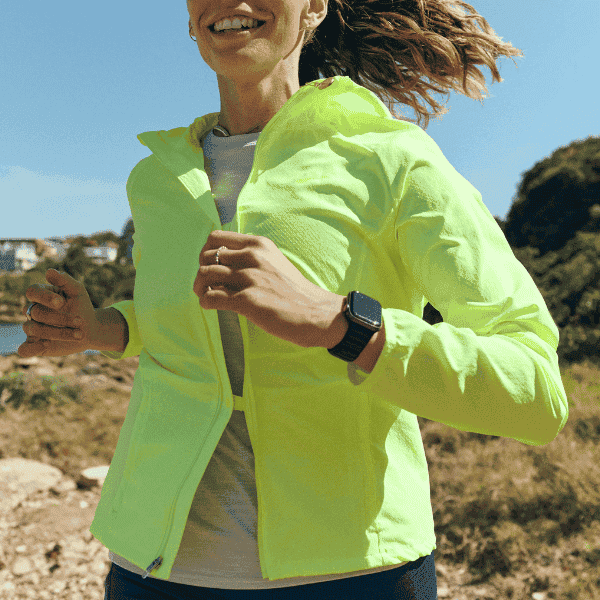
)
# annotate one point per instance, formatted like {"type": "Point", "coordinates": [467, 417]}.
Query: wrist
{"type": "Point", "coordinates": [338, 327]}
{"type": "Point", "coordinates": [110, 331]}
{"type": "Point", "coordinates": [338, 324]}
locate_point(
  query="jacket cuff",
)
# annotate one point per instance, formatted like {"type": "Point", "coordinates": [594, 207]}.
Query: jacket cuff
{"type": "Point", "coordinates": [355, 374]}
{"type": "Point", "coordinates": [134, 343]}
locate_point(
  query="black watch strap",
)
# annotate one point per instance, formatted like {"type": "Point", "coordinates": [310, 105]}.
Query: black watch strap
{"type": "Point", "coordinates": [355, 341]}
{"type": "Point", "coordinates": [358, 336]}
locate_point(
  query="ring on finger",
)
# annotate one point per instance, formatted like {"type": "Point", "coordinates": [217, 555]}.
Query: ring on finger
{"type": "Point", "coordinates": [29, 317]}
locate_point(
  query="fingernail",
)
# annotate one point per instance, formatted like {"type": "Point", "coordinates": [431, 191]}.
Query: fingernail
{"type": "Point", "coordinates": [57, 302]}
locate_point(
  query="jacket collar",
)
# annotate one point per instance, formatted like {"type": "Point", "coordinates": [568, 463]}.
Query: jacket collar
{"type": "Point", "coordinates": [180, 151]}
{"type": "Point", "coordinates": [325, 106]}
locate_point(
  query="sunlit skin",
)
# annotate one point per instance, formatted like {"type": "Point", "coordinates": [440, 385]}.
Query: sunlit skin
{"type": "Point", "coordinates": [256, 74]}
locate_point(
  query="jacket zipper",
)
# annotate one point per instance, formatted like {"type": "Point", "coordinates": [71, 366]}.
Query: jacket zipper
{"type": "Point", "coordinates": [153, 565]}
{"type": "Point", "coordinates": [157, 562]}
{"type": "Point", "coordinates": [250, 423]}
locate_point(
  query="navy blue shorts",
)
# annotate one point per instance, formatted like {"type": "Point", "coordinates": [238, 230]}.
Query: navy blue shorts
{"type": "Point", "coordinates": [413, 581]}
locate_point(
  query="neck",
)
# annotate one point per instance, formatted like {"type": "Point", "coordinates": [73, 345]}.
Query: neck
{"type": "Point", "coordinates": [248, 103]}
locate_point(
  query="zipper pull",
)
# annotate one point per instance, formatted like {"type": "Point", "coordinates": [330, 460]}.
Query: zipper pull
{"type": "Point", "coordinates": [153, 565]}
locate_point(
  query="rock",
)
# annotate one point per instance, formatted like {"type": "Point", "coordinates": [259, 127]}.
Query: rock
{"type": "Point", "coordinates": [45, 372]}
{"type": "Point", "coordinates": [46, 548]}
{"type": "Point", "coordinates": [93, 476]}
{"type": "Point", "coordinates": [441, 570]}
{"type": "Point", "coordinates": [91, 369]}
{"type": "Point", "coordinates": [66, 484]}
{"type": "Point", "coordinates": [32, 361]}
{"type": "Point", "coordinates": [20, 477]}
{"type": "Point", "coordinates": [8, 590]}
{"type": "Point", "coordinates": [22, 566]}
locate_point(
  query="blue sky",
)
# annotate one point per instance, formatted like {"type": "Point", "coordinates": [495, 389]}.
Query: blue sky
{"type": "Point", "coordinates": [81, 80]}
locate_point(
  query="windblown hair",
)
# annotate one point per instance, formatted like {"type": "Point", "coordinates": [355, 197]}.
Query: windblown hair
{"type": "Point", "coordinates": [391, 46]}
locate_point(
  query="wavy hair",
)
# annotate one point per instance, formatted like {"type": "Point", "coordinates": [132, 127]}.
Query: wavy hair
{"type": "Point", "coordinates": [391, 46]}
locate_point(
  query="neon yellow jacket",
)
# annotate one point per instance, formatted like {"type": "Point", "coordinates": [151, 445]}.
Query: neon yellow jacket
{"type": "Point", "coordinates": [356, 200]}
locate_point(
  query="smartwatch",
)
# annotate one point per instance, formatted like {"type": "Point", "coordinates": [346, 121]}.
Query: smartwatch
{"type": "Point", "coordinates": [364, 319]}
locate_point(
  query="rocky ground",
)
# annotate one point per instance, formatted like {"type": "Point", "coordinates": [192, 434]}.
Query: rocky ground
{"type": "Point", "coordinates": [47, 551]}
{"type": "Point", "coordinates": [47, 504]}
{"type": "Point", "coordinates": [46, 548]}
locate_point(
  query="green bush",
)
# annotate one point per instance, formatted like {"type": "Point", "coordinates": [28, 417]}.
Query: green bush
{"type": "Point", "coordinates": [36, 393]}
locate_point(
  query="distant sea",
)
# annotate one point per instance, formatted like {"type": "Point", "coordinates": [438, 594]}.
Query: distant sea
{"type": "Point", "coordinates": [12, 336]}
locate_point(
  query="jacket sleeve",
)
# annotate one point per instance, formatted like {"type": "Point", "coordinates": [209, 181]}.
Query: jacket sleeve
{"type": "Point", "coordinates": [127, 309]}
{"type": "Point", "coordinates": [491, 367]}
{"type": "Point", "coordinates": [134, 345]}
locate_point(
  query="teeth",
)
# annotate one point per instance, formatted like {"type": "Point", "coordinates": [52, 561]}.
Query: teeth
{"type": "Point", "coordinates": [235, 23]}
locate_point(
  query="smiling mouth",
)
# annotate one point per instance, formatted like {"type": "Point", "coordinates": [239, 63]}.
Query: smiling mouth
{"type": "Point", "coordinates": [241, 30]}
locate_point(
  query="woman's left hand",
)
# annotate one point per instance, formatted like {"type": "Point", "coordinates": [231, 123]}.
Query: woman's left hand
{"type": "Point", "coordinates": [256, 280]}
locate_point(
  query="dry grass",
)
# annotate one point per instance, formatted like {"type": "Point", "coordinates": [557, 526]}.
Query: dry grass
{"type": "Point", "coordinates": [504, 509]}
{"type": "Point", "coordinates": [524, 519]}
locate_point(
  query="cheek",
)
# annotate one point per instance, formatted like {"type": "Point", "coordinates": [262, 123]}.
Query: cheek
{"type": "Point", "coordinates": [284, 37]}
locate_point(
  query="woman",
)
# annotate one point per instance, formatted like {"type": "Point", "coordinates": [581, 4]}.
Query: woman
{"type": "Point", "coordinates": [303, 217]}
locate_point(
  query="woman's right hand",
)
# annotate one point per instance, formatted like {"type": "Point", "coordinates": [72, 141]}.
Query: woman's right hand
{"type": "Point", "coordinates": [53, 328]}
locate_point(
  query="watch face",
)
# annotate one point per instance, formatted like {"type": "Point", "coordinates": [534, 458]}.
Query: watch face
{"type": "Point", "coordinates": [365, 310]}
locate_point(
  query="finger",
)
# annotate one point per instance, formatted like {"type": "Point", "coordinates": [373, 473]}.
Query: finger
{"type": "Point", "coordinates": [65, 285]}
{"type": "Point", "coordinates": [47, 316]}
{"type": "Point", "coordinates": [48, 332]}
{"type": "Point", "coordinates": [44, 295]}
{"type": "Point", "coordinates": [31, 347]}
{"type": "Point", "coordinates": [216, 288]}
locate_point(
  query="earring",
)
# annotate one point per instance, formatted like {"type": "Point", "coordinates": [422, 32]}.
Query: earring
{"type": "Point", "coordinates": [191, 33]}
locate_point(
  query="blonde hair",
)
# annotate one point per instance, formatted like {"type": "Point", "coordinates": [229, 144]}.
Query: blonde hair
{"type": "Point", "coordinates": [390, 46]}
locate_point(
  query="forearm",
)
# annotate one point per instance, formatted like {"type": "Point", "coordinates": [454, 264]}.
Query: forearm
{"type": "Point", "coordinates": [112, 332]}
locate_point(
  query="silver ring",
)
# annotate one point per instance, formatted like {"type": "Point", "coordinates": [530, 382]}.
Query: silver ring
{"type": "Point", "coordinates": [219, 250]}
{"type": "Point", "coordinates": [29, 317]}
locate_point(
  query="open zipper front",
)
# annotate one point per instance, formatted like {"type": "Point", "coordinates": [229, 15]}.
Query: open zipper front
{"type": "Point", "coordinates": [252, 426]}
{"type": "Point", "coordinates": [157, 562]}
{"type": "Point", "coordinates": [248, 394]}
